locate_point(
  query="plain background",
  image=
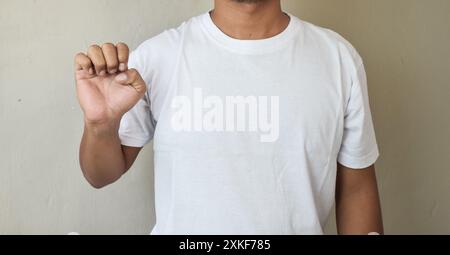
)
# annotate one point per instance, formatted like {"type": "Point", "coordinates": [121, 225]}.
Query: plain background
{"type": "Point", "coordinates": [404, 43]}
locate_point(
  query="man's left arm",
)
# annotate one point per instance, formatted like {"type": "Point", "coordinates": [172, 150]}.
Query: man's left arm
{"type": "Point", "coordinates": [358, 210]}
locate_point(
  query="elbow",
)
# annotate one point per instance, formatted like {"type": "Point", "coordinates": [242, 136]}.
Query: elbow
{"type": "Point", "coordinates": [96, 182]}
{"type": "Point", "coordinates": [100, 177]}
{"type": "Point", "coordinates": [97, 185]}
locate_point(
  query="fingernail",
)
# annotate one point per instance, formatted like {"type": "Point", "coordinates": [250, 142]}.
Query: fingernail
{"type": "Point", "coordinates": [91, 70]}
{"type": "Point", "coordinates": [122, 67]}
{"type": "Point", "coordinates": [102, 73]}
{"type": "Point", "coordinates": [113, 71]}
{"type": "Point", "coordinates": [121, 77]}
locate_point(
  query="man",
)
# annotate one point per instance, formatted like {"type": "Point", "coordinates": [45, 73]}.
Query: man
{"type": "Point", "coordinates": [260, 122]}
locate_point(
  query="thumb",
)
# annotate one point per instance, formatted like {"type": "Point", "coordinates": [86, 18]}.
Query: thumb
{"type": "Point", "coordinates": [131, 77]}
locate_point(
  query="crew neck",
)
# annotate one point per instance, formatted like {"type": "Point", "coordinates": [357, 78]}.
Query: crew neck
{"type": "Point", "coordinates": [258, 46]}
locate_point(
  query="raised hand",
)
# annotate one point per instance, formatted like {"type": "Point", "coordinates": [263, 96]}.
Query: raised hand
{"type": "Point", "coordinates": [106, 88]}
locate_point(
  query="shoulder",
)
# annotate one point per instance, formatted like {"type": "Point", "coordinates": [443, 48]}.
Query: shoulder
{"type": "Point", "coordinates": [330, 40]}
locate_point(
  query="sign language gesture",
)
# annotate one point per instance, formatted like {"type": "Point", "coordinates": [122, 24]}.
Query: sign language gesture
{"type": "Point", "coordinates": [106, 88]}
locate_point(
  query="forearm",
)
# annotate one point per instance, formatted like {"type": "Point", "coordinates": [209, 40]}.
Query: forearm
{"type": "Point", "coordinates": [101, 157]}
{"type": "Point", "coordinates": [358, 210]}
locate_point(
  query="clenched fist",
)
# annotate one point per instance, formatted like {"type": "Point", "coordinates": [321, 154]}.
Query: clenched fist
{"type": "Point", "coordinates": [106, 88]}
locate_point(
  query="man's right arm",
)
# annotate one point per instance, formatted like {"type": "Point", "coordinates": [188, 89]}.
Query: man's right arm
{"type": "Point", "coordinates": [106, 90]}
{"type": "Point", "coordinates": [103, 159]}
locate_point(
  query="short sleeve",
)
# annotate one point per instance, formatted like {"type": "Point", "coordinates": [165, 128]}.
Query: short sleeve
{"type": "Point", "coordinates": [137, 126]}
{"type": "Point", "coordinates": [359, 148]}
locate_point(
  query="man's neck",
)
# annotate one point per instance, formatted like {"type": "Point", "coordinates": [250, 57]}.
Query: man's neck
{"type": "Point", "coordinates": [250, 21]}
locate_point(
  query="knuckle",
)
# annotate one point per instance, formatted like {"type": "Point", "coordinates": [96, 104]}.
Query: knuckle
{"type": "Point", "coordinates": [93, 48]}
{"type": "Point", "coordinates": [107, 46]}
{"type": "Point", "coordinates": [79, 57]}
{"type": "Point", "coordinates": [123, 52]}
{"type": "Point", "coordinates": [134, 74]}
{"type": "Point", "coordinates": [82, 60]}
{"type": "Point", "coordinates": [122, 45]}
{"type": "Point", "coordinates": [133, 71]}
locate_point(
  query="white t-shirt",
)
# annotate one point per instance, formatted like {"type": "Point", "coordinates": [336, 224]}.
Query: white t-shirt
{"type": "Point", "coordinates": [247, 133]}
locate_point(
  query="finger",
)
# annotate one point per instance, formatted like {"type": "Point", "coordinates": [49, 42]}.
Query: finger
{"type": "Point", "coordinates": [122, 53]}
{"type": "Point", "coordinates": [95, 53]}
{"type": "Point", "coordinates": [110, 54]}
{"type": "Point", "coordinates": [131, 77]}
{"type": "Point", "coordinates": [83, 62]}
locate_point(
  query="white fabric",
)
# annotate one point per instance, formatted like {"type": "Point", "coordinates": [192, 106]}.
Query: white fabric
{"type": "Point", "coordinates": [231, 182]}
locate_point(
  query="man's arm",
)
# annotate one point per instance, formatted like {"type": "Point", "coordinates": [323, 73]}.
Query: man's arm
{"type": "Point", "coordinates": [358, 210]}
{"type": "Point", "coordinates": [106, 90]}
{"type": "Point", "coordinates": [103, 159]}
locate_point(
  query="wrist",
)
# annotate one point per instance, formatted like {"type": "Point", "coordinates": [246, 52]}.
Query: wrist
{"type": "Point", "coordinates": [102, 128]}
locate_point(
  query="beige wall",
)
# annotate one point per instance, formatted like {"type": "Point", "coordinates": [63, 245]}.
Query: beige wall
{"type": "Point", "coordinates": [404, 44]}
